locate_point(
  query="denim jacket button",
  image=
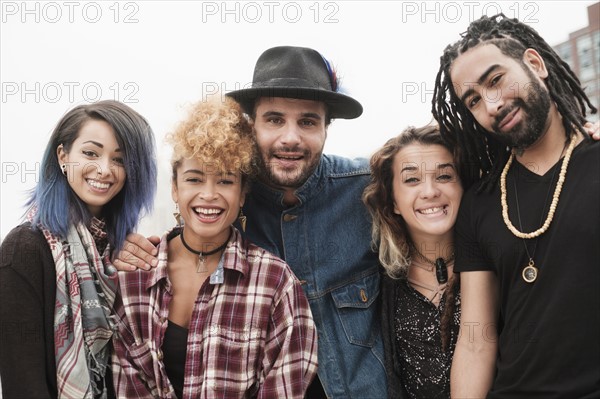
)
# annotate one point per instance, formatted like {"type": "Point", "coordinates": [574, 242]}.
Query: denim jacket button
{"type": "Point", "coordinates": [288, 218]}
{"type": "Point", "coordinates": [363, 295]}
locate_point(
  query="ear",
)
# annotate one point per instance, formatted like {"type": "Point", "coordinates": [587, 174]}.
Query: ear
{"type": "Point", "coordinates": [535, 61]}
{"type": "Point", "coordinates": [396, 210]}
{"type": "Point", "coordinates": [174, 194]}
{"type": "Point", "coordinates": [62, 155]}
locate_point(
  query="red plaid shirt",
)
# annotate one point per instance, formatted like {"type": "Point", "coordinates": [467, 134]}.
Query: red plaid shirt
{"type": "Point", "coordinates": [251, 336]}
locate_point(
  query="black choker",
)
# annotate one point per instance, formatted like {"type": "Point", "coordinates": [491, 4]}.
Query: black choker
{"type": "Point", "coordinates": [202, 255]}
{"type": "Point", "coordinates": [441, 270]}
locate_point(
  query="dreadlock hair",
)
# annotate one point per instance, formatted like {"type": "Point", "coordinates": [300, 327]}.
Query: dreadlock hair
{"type": "Point", "coordinates": [457, 124]}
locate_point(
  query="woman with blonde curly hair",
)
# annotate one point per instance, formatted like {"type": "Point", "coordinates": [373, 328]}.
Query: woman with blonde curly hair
{"type": "Point", "coordinates": [414, 195]}
{"type": "Point", "coordinates": [219, 316]}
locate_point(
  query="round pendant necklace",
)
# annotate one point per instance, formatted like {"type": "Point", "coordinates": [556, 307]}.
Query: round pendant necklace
{"type": "Point", "coordinates": [530, 272]}
{"type": "Point", "coordinates": [203, 254]}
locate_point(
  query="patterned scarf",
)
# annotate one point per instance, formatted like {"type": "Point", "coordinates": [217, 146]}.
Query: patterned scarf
{"type": "Point", "coordinates": [84, 299]}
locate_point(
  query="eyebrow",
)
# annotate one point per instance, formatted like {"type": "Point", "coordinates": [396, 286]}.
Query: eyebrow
{"type": "Point", "coordinates": [446, 165]}
{"type": "Point", "coordinates": [99, 144]}
{"type": "Point", "coordinates": [408, 168]}
{"type": "Point", "coordinates": [303, 115]}
{"type": "Point", "coordinates": [413, 168]}
{"type": "Point", "coordinates": [480, 81]}
{"type": "Point", "coordinates": [93, 142]}
{"type": "Point", "coordinates": [200, 172]}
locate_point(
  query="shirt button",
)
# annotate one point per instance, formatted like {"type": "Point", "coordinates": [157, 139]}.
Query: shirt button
{"type": "Point", "coordinates": [288, 218]}
{"type": "Point", "coordinates": [159, 355]}
{"type": "Point", "coordinates": [162, 320]}
{"type": "Point", "coordinates": [213, 385]}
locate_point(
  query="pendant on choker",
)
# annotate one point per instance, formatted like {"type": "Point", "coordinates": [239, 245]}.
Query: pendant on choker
{"type": "Point", "coordinates": [201, 265]}
{"type": "Point", "coordinates": [441, 271]}
{"type": "Point", "coordinates": [530, 272]}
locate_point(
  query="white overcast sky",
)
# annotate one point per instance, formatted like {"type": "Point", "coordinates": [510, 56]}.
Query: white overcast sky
{"type": "Point", "coordinates": [159, 56]}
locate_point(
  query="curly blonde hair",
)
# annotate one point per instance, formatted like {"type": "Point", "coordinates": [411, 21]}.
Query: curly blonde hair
{"type": "Point", "coordinates": [216, 132]}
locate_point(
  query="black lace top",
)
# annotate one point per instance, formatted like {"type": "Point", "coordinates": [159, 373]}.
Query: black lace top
{"type": "Point", "coordinates": [425, 367]}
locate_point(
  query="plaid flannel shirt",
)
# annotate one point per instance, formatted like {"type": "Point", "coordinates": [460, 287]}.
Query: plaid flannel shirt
{"type": "Point", "coordinates": [250, 336]}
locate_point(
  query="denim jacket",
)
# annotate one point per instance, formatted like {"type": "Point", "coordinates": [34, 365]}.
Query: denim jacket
{"type": "Point", "coordinates": [326, 241]}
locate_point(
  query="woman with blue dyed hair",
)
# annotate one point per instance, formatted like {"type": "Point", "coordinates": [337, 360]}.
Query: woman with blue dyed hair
{"type": "Point", "coordinates": [57, 283]}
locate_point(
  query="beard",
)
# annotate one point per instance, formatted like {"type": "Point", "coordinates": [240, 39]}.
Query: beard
{"type": "Point", "coordinates": [535, 108]}
{"type": "Point", "coordinates": [274, 175]}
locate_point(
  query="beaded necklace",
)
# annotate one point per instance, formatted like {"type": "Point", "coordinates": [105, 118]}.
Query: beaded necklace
{"type": "Point", "coordinates": [530, 272]}
{"type": "Point", "coordinates": [561, 180]}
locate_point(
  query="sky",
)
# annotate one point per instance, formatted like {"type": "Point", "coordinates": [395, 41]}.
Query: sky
{"type": "Point", "coordinates": [161, 56]}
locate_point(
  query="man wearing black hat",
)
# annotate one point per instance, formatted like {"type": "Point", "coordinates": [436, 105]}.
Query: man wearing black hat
{"type": "Point", "coordinates": [306, 208]}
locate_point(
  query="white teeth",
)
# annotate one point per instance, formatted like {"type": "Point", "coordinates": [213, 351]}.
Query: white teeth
{"type": "Point", "coordinates": [431, 210]}
{"type": "Point", "coordinates": [98, 185]}
{"type": "Point", "coordinates": [288, 157]}
{"type": "Point", "coordinates": [207, 211]}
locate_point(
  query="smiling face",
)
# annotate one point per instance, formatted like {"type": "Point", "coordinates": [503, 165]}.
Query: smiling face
{"type": "Point", "coordinates": [505, 96]}
{"type": "Point", "coordinates": [209, 202]}
{"type": "Point", "coordinates": [290, 135]}
{"type": "Point", "coordinates": [427, 191]}
{"type": "Point", "coordinates": [94, 165]}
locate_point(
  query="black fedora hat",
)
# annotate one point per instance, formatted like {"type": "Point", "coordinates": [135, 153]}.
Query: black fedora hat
{"type": "Point", "coordinates": [297, 72]}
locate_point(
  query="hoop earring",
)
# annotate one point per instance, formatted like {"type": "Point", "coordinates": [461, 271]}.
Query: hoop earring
{"type": "Point", "coordinates": [242, 219]}
{"type": "Point", "coordinates": [177, 215]}
{"type": "Point", "coordinates": [63, 168]}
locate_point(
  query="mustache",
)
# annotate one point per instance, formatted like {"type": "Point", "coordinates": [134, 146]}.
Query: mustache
{"type": "Point", "coordinates": [507, 110]}
{"type": "Point", "coordinates": [295, 149]}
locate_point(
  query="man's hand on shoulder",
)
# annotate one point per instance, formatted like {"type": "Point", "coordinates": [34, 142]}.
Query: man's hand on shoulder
{"type": "Point", "coordinates": [138, 252]}
{"type": "Point", "coordinates": [593, 129]}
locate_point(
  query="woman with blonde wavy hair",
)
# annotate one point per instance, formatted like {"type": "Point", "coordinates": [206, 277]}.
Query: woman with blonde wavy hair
{"type": "Point", "coordinates": [413, 197]}
{"type": "Point", "coordinates": [218, 316]}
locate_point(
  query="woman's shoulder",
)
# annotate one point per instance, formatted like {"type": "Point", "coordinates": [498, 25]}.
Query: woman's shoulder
{"type": "Point", "coordinates": [262, 261]}
{"type": "Point", "coordinates": [255, 253]}
{"type": "Point", "coordinates": [134, 282]}
{"type": "Point", "coordinates": [23, 243]}
{"type": "Point", "coordinates": [26, 261]}
{"type": "Point", "coordinates": [25, 232]}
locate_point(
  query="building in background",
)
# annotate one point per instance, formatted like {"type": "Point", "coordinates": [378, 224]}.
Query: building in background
{"type": "Point", "coordinates": [582, 53]}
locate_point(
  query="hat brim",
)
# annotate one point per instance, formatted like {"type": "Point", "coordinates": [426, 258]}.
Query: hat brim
{"type": "Point", "coordinates": [339, 105]}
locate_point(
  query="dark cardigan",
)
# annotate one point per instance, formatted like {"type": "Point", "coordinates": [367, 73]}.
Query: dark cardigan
{"type": "Point", "coordinates": [27, 295]}
{"type": "Point", "coordinates": [392, 362]}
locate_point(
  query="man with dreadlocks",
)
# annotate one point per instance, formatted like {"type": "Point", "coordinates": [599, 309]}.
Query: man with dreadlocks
{"type": "Point", "coordinates": [527, 235]}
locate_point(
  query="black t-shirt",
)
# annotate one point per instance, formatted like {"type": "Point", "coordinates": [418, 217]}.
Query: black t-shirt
{"type": "Point", "coordinates": [549, 342]}
{"type": "Point", "coordinates": [174, 350]}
